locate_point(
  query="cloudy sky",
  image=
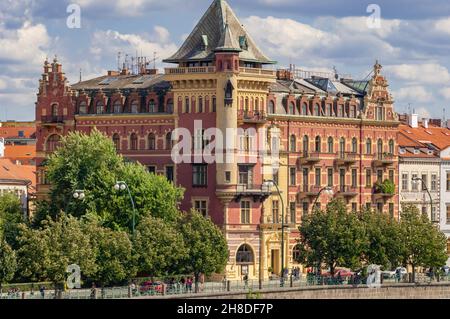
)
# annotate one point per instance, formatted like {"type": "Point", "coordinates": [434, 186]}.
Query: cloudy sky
{"type": "Point", "coordinates": [412, 41]}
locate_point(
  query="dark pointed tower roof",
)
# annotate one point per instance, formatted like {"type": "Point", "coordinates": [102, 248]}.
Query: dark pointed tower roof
{"type": "Point", "coordinates": [218, 30]}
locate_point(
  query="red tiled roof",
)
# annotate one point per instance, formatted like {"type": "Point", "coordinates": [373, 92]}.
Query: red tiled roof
{"type": "Point", "coordinates": [438, 136]}
{"type": "Point", "coordinates": [13, 172]}
{"type": "Point", "coordinates": [13, 132]}
{"type": "Point", "coordinates": [20, 151]}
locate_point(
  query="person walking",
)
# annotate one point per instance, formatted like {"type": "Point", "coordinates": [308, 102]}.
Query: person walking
{"type": "Point", "coordinates": [42, 291]}
{"type": "Point", "coordinates": [93, 291]}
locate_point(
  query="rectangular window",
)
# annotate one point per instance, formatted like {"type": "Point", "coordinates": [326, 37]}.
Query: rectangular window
{"type": "Point", "coordinates": [405, 182]}
{"type": "Point", "coordinates": [448, 182]}
{"type": "Point", "coordinates": [424, 210]}
{"type": "Point", "coordinates": [433, 182]}
{"type": "Point", "coordinates": [318, 177]}
{"type": "Point", "coordinates": [293, 212]}
{"type": "Point", "coordinates": [305, 208]}
{"type": "Point", "coordinates": [246, 175]}
{"type": "Point", "coordinates": [275, 212]}
{"type": "Point", "coordinates": [425, 182]}
{"type": "Point", "coordinates": [151, 169]}
{"type": "Point", "coordinates": [245, 212]}
{"type": "Point", "coordinates": [368, 206]}
{"type": "Point", "coordinates": [199, 175]}
{"type": "Point", "coordinates": [354, 207]}
{"type": "Point", "coordinates": [354, 178]}
{"type": "Point", "coordinates": [391, 210]}
{"type": "Point", "coordinates": [380, 176]}
{"type": "Point", "coordinates": [448, 214]}
{"type": "Point", "coordinates": [169, 173]}
{"type": "Point", "coordinates": [415, 184]}
{"type": "Point", "coordinates": [380, 207]}
{"type": "Point", "coordinates": [391, 175]}
{"type": "Point", "coordinates": [227, 177]}
{"type": "Point", "coordinates": [201, 206]}
{"type": "Point", "coordinates": [368, 178]}
{"type": "Point", "coordinates": [433, 215]}
{"type": "Point", "coordinates": [293, 174]}
{"type": "Point", "coordinates": [330, 177]}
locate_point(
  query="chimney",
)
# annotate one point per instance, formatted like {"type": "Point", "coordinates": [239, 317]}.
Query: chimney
{"type": "Point", "coordinates": [425, 123]}
{"type": "Point", "coordinates": [113, 73]}
{"type": "Point", "coordinates": [414, 120]}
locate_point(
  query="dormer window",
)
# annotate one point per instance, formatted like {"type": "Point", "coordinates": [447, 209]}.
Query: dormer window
{"type": "Point", "coordinates": [243, 42]}
{"type": "Point", "coordinates": [204, 42]}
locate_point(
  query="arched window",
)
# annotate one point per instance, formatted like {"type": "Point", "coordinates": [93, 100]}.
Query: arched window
{"type": "Point", "coordinates": [369, 146]}
{"type": "Point", "coordinates": [100, 107]}
{"type": "Point", "coordinates": [305, 144]}
{"type": "Point", "coordinates": [318, 144]}
{"type": "Point", "coordinates": [152, 106]}
{"type": "Point", "coordinates": [342, 145]}
{"type": "Point", "coordinates": [304, 109]}
{"type": "Point", "coordinates": [117, 107]}
{"type": "Point", "coordinates": [296, 253]}
{"type": "Point", "coordinates": [379, 112]}
{"type": "Point", "coordinates": [54, 110]}
{"type": "Point", "coordinates": [352, 111]}
{"type": "Point", "coordinates": [271, 107]}
{"type": "Point", "coordinates": [391, 147]}
{"type": "Point", "coordinates": [340, 110]}
{"type": "Point", "coordinates": [380, 147]}
{"type": "Point", "coordinates": [169, 108]}
{"type": "Point", "coordinates": [134, 107]}
{"type": "Point", "coordinates": [214, 104]}
{"type": "Point", "coordinates": [187, 108]}
{"type": "Point", "coordinates": [291, 108]}
{"type": "Point", "coordinates": [246, 106]}
{"type": "Point", "coordinates": [151, 142]}
{"type": "Point", "coordinates": [133, 142]}
{"type": "Point", "coordinates": [244, 255]}
{"type": "Point", "coordinates": [116, 141]}
{"type": "Point", "coordinates": [354, 145]}
{"type": "Point", "coordinates": [330, 144]}
{"type": "Point", "coordinates": [82, 108]}
{"type": "Point", "coordinates": [328, 110]}
{"type": "Point", "coordinates": [53, 143]}
{"type": "Point", "coordinates": [169, 141]}
{"type": "Point", "coordinates": [316, 110]}
{"type": "Point", "coordinates": [293, 143]}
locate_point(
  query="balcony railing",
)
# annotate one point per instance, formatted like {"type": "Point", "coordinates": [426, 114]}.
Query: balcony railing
{"type": "Point", "coordinates": [257, 71]}
{"type": "Point", "coordinates": [383, 159]}
{"type": "Point", "coordinates": [252, 116]}
{"type": "Point", "coordinates": [309, 191]}
{"type": "Point", "coordinates": [346, 158]}
{"type": "Point", "coordinates": [50, 119]}
{"type": "Point", "coordinates": [258, 192]}
{"type": "Point", "coordinates": [309, 157]}
{"type": "Point", "coordinates": [191, 70]}
{"type": "Point", "coordinates": [346, 191]}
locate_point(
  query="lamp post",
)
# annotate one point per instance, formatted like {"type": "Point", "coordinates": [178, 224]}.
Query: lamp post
{"type": "Point", "coordinates": [79, 194]}
{"type": "Point", "coordinates": [425, 187]}
{"type": "Point", "coordinates": [328, 190]}
{"type": "Point", "coordinates": [269, 184]}
{"type": "Point", "coordinates": [121, 186]}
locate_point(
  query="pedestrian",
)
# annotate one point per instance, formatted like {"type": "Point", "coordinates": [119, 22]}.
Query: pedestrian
{"type": "Point", "coordinates": [42, 291]}
{"type": "Point", "coordinates": [245, 281]}
{"type": "Point", "coordinates": [189, 284]}
{"type": "Point", "coordinates": [93, 291]}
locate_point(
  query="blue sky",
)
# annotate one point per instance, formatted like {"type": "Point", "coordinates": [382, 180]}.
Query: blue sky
{"type": "Point", "coordinates": [412, 42]}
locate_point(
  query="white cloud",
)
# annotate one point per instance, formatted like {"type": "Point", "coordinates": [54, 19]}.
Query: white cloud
{"type": "Point", "coordinates": [442, 25]}
{"type": "Point", "coordinates": [414, 94]}
{"type": "Point", "coordinates": [429, 73]}
{"type": "Point", "coordinates": [445, 92]}
{"type": "Point", "coordinates": [423, 112]}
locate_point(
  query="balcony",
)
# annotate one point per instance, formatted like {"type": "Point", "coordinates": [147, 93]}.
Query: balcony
{"type": "Point", "coordinates": [252, 117]}
{"type": "Point", "coordinates": [191, 70]}
{"type": "Point", "coordinates": [346, 191]}
{"type": "Point", "coordinates": [258, 192]}
{"type": "Point", "coordinates": [308, 191]}
{"type": "Point", "coordinates": [52, 120]}
{"type": "Point", "coordinates": [260, 72]}
{"type": "Point", "coordinates": [309, 157]}
{"type": "Point", "coordinates": [384, 190]}
{"type": "Point", "coordinates": [385, 159]}
{"type": "Point", "coordinates": [346, 158]}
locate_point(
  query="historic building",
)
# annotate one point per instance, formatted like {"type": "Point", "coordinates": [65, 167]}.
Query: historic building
{"type": "Point", "coordinates": [320, 132]}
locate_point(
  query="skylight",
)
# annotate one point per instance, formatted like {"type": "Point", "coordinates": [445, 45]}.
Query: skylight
{"type": "Point", "coordinates": [107, 81]}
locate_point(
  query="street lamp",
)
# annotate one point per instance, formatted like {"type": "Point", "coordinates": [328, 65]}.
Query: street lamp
{"type": "Point", "coordinates": [425, 187]}
{"type": "Point", "coordinates": [121, 186]}
{"type": "Point", "coordinates": [327, 190]}
{"type": "Point", "coordinates": [269, 184]}
{"type": "Point", "coordinates": [79, 194]}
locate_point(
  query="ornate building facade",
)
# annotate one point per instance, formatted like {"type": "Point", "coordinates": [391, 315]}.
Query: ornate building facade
{"type": "Point", "coordinates": [338, 134]}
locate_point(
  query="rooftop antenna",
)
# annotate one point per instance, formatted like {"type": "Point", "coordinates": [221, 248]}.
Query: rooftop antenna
{"type": "Point", "coordinates": [154, 60]}
{"type": "Point", "coordinates": [119, 55]}
{"type": "Point", "coordinates": [80, 74]}
{"type": "Point", "coordinates": [443, 116]}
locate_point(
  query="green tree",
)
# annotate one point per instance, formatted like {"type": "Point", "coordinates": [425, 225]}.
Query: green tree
{"type": "Point", "coordinates": [384, 241]}
{"type": "Point", "coordinates": [207, 249]}
{"type": "Point", "coordinates": [46, 253]}
{"type": "Point", "coordinates": [11, 215]}
{"type": "Point", "coordinates": [423, 245]}
{"type": "Point", "coordinates": [158, 247]}
{"type": "Point", "coordinates": [332, 237]}
{"type": "Point", "coordinates": [8, 263]}
{"type": "Point", "coordinates": [113, 253]}
{"type": "Point", "coordinates": [91, 163]}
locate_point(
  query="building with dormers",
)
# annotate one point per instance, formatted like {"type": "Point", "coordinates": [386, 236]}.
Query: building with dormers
{"type": "Point", "coordinates": [325, 132]}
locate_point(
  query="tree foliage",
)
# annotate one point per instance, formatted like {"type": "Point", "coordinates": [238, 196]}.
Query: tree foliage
{"type": "Point", "coordinates": [8, 262]}
{"type": "Point", "coordinates": [11, 215]}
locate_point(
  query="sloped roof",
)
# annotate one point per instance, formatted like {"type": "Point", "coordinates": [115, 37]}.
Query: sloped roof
{"type": "Point", "coordinates": [13, 132]}
{"type": "Point", "coordinates": [294, 86]}
{"type": "Point", "coordinates": [439, 137]}
{"type": "Point", "coordinates": [17, 173]}
{"type": "Point", "coordinates": [222, 30]}
{"type": "Point", "coordinates": [20, 151]}
{"type": "Point", "coordinates": [122, 82]}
